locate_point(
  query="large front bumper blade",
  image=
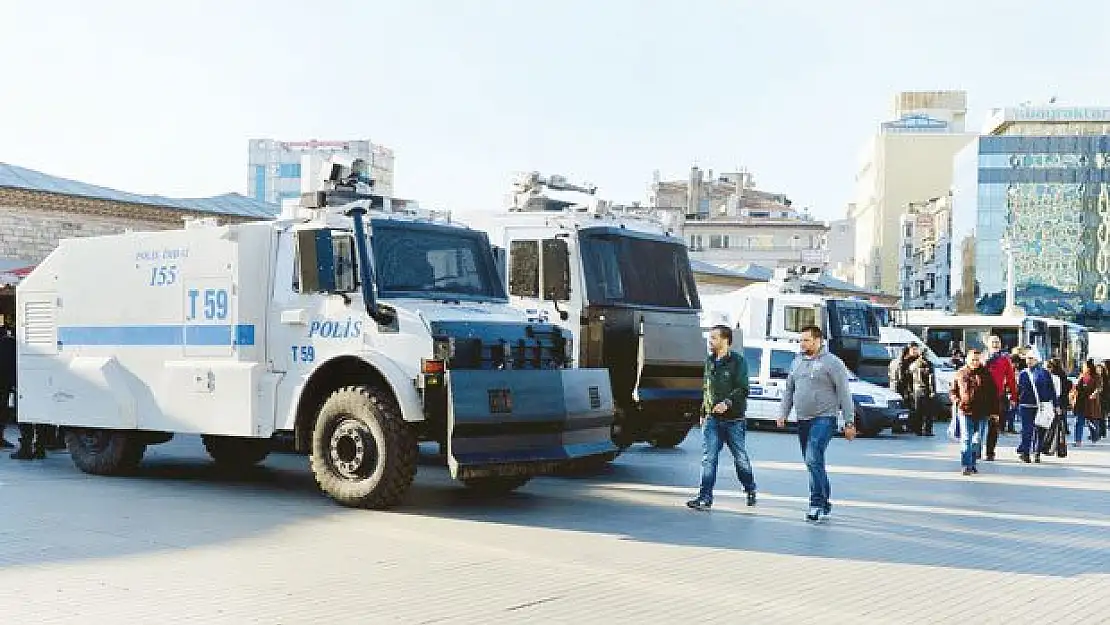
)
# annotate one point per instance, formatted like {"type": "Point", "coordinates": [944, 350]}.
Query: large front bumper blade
{"type": "Point", "coordinates": [531, 422]}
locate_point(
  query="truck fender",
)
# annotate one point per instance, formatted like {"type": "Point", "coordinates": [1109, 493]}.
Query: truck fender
{"type": "Point", "coordinates": [100, 389]}
{"type": "Point", "coordinates": [350, 369]}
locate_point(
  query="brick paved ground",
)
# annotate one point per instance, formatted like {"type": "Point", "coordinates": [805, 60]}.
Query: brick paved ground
{"type": "Point", "coordinates": [911, 541]}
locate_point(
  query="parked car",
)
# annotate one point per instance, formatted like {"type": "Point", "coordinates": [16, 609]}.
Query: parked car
{"type": "Point", "coordinates": [769, 361]}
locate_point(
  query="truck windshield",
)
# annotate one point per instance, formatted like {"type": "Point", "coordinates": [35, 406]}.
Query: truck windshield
{"type": "Point", "coordinates": [633, 271]}
{"type": "Point", "coordinates": [419, 260]}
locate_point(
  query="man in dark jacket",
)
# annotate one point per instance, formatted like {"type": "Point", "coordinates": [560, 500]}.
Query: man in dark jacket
{"type": "Point", "coordinates": [923, 384]}
{"type": "Point", "coordinates": [900, 382]}
{"type": "Point", "coordinates": [7, 382]}
{"type": "Point", "coordinates": [976, 400]}
{"type": "Point", "coordinates": [724, 404]}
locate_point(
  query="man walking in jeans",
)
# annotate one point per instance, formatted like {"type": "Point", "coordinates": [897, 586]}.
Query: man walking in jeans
{"type": "Point", "coordinates": [724, 404]}
{"type": "Point", "coordinates": [816, 389]}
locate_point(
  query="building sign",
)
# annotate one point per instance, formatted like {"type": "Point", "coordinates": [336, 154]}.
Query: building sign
{"type": "Point", "coordinates": [1057, 114]}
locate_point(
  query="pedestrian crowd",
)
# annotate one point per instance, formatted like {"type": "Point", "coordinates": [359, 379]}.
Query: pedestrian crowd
{"type": "Point", "coordinates": [993, 392]}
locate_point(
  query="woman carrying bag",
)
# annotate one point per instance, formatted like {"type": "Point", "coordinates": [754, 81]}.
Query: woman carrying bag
{"type": "Point", "coordinates": [1037, 403]}
{"type": "Point", "coordinates": [1054, 441]}
{"type": "Point", "coordinates": [1088, 402]}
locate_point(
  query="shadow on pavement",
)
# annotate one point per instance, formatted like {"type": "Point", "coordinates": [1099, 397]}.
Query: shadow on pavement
{"type": "Point", "coordinates": [180, 500]}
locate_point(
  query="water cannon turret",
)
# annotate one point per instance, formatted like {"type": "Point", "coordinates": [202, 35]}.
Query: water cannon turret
{"type": "Point", "coordinates": [798, 279]}
{"type": "Point", "coordinates": [342, 179]}
{"type": "Point", "coordinates": [531, 192]}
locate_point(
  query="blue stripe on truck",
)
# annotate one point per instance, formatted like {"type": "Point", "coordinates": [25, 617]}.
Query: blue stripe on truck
{"type": "Point", "coordinates": [158, 335]}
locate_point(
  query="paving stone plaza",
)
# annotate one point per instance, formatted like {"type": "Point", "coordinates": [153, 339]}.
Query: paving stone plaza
{"type": "Point", "coordinates": [910, 541]}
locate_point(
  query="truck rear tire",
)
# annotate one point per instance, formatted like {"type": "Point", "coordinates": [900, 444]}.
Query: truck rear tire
{"type": "Point", "coordinates": [236, 452]}
{"type": "Point", "coordinates": [363, 453]}
{"type": "Point", "coordinates": [104, 452]}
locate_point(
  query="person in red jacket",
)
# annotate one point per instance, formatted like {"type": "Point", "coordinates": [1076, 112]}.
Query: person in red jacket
{"type": "Point", "coordinates": [1005, 380]}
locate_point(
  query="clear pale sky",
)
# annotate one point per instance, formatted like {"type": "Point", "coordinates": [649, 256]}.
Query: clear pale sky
{"type": "Point", "coordinates": [161, 97]}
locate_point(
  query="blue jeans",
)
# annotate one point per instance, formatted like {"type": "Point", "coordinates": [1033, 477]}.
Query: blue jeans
{"type": "Point", "coordinates": [814, 436]}
{"type": "Point", "coordinates": [715, 435]}
{"type": "Point", "coordinates": [973, 432]}
{"type": "Point", "coordinates": [1092, 427]}
{"type": "Point", "coordinates": [1011, 418]}
{"type": "Point", "coordinates": [1028, 415]}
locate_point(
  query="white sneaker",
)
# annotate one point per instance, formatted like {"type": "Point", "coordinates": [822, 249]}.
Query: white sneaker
{"type": "Point", "coordinates": [814, 514]}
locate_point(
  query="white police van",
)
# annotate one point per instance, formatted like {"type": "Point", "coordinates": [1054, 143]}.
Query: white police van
{"type": "Point", "coordinates": [769, 363]}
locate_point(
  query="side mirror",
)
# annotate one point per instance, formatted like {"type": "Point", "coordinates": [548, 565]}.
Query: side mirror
{"type": "Point", "coordinates": [556, 270]}
{"type": "Point", "coordinates": [326, 261]}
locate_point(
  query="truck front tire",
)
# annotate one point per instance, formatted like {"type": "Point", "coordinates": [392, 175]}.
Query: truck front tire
{"type": "Point", "coordinates": [235, 452]}
{"type": "Point", "coordinates": [363, 453]}
{"type": "Point", "coordinates": [104, 452]}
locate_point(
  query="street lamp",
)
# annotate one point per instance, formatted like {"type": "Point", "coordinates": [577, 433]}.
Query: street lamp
{"type": "Point", "coordinates": [1010, 250]}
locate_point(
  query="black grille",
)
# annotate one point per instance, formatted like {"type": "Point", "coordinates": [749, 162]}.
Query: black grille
{"type": "Point", "coordinates": [595, 398]}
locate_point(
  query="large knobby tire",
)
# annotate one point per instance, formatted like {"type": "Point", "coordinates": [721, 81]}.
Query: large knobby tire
{"type": "Point", "coordinates": [497, 484]}
{"type": "Point", "coordinates": [363, 453]}
{"type": "Point", "coordinates": [236, 452]}
{"type": "Point", "coordinates": [668, 439]}
{"type": "Point", "coordinates": [104, 452]}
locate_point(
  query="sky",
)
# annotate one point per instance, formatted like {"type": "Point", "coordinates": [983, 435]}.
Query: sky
{"type": "Point", "coordinates": [162, 98]}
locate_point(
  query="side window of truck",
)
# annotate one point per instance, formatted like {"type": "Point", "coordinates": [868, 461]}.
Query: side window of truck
{"type": "Point", "coordinates": [754, 358]}
{"type": "Point", "coordinates": [524, 271]}
{"type": "Point", "coordinates": [781, 361]}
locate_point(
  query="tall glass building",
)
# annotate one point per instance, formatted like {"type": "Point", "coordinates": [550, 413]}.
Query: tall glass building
{"type": "Point", "coordinates": [1039, 180]}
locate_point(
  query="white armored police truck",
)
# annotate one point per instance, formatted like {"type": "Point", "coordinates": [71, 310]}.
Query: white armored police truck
{"type": "Point", "coordinates": [621, 285]}
{"type": "Point", "coordinates": [344, 328]}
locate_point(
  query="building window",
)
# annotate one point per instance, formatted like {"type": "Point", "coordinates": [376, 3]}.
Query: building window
{"type": "Point", "coordinates": [908, 231]}
{"type": "Point", "coordinates": [714, 241]}
{"type": "Point", "coordinates": [907, 251]}
{"type": "Point", "coordinates": [724, 241]}
{"type": "Point", "coordinates": [289, 170]}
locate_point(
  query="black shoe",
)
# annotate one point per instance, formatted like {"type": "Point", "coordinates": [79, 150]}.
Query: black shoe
{"type": "Point", "coordinates": [751, 498]}
{"type": "Point", "coordinates": [814, 514]}
{"type": "Point", "coordinates": [1037, 458]}
{"type": "Point", "coordinates": [989, 458]}
{"type": "Point", "coordinates": [974, 469]}
{"type": "Point", "coordinates": [1025, 458]}
{"type": "Point", "coordinates": [698, 504]}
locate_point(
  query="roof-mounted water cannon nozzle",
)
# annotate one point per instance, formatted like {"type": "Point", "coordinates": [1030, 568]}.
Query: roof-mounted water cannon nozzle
{"type": "Point", "coordinates": [532, 192]}
{"type": "Point", "coordinates": [342, 179]}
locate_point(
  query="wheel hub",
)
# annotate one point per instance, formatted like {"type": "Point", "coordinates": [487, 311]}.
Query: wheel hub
{"type": "Point", "coordinates": [95, 441]}
{"type": "Point", "coordinates": [352, 450]}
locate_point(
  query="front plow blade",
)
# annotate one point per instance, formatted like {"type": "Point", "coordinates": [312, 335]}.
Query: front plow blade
{"type": "Point", "coordinates": [526, 422]}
